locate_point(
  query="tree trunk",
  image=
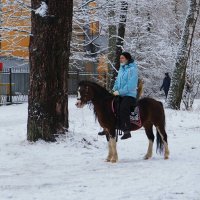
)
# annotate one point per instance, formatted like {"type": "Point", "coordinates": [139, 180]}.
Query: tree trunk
{"type": "Point", "coordinates": [177, 19]}
{"type": "Point", "coordinates": [178, 79]}
{"type": "Point", "coordinates": [112, 31]}
{"type": "Point", "coordinates": [121, 32]}
{"type": "Point", "coordinates": [49, 61]}
{"type": "Point", "coordinates": [0, 23]}
{"type": "Point", "coordinates": [115, 45]}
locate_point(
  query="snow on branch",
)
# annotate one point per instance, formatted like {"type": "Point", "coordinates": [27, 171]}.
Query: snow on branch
{"type": "Point", "coordinates": [42, 10]}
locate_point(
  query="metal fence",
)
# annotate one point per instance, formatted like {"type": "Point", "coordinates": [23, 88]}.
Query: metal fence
{"type": "Point", "coordinates": [76, 76]}
{"type": "Point", "coordinates": [14, 83]}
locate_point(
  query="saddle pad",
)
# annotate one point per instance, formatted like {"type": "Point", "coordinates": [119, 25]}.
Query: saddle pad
{"type": "Point", "coordinates": [135, 117]}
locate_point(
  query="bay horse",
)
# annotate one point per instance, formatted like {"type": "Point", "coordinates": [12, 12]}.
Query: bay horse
{"type": "Point", "coordinates": [151, 114]}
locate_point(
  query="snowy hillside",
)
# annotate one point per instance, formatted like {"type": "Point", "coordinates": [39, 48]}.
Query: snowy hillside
{"type": "Point", "coordinates": [74, 169]}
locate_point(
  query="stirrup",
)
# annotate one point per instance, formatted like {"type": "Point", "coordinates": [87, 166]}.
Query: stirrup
{"type": "Point", "coordinates": [102, 133]}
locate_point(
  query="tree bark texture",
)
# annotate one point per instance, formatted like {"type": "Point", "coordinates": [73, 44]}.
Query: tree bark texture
{"type": "Point", "coordinates": [49, 61]}
{"type": "Point", "coordinates": [178, 78]}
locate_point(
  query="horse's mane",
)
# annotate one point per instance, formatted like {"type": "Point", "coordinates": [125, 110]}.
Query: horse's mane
{"type": "Point", "coordinates": [100, 91]}
{"type": "Point", "coordinates": [101, 94]}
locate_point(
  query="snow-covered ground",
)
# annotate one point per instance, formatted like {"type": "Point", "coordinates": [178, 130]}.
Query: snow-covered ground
{"type": "Point", "coordinates": [74, 169]}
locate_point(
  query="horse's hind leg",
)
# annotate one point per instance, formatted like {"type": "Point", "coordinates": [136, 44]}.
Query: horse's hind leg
{"type": "Point", "coordinates": [161, 131]}
{"type": "Point", "coordinates": [150, 135]}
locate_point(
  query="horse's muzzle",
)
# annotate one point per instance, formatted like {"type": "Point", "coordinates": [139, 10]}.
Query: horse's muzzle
{"type": "Point", "coordinates": [79, 104]}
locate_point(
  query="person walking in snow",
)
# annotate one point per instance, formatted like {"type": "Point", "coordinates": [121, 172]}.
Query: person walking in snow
{"type": "Point", "coordinates": [166, 84]}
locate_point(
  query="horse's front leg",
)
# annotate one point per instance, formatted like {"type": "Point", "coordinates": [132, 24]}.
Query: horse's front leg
{"type": "Point", "coordinates": [113, 143]}
{"type": "Point", "coordinates": [112, 149]}
{"type": "Point", "coordinates": [109, 157]}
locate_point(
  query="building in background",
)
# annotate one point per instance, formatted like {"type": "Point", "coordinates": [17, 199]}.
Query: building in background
{"type": "Point", "coordinates": [87, 40]}
{"type": "Point", "coordinates": [15, 29]}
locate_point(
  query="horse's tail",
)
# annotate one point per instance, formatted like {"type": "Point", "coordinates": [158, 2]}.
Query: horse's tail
{"type": "Point", "coordinates": [160, 144]}
{"type": "Point", "coordinates": [159, 139]}
{"type": "Point", "coordinates": [163, 114]}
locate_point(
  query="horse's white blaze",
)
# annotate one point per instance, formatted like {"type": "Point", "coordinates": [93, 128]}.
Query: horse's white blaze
{"type": "Point", "coordinates": [79, 95]}
{"type": "Point", "coordinates": [150, 150]}
{"type": "Point", "coordinates": [166, 154]}
{"type": "Point", "coordinates": [78, 103]}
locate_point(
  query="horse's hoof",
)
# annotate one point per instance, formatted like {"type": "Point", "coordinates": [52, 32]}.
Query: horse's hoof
{"type": "Point", "coordinates": [166, 156]}
{"type": "Point", "coordinates": [147, 157]}
{"type": "Point", "coordinates": [114, 160]}
{"type": "Point", "coordinates": [108, 159]}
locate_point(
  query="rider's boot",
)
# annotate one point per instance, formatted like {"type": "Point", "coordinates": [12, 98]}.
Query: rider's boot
{"type": "Point", "coordinates": [127, 134]}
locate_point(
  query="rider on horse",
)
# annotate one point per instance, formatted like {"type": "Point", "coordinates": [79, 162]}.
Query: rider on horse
{"type": "Point", "coordinates": [126, 87]}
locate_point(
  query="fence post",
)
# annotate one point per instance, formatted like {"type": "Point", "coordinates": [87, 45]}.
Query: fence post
{"type": "Point", "coordinates": [10, 84]}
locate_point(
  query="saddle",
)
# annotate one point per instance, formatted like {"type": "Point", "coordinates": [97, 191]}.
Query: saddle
{"type": "Point", "coordinates": [135, 118]}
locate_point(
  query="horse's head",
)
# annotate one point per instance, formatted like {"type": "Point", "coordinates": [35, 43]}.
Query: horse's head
{"type": "Point", "coordinates": [85, 94]}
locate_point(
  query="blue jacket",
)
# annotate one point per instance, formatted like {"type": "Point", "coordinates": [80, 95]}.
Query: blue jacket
{"type": "Point", "coordinates": [127, 80]}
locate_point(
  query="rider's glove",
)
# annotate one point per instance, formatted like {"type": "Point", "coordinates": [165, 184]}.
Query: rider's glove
{"type": "Point", "coordinates": [116, 93]}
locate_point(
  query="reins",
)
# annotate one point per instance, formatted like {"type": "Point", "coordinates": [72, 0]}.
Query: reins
{"type": "Point", "coordinates": [117, 115]}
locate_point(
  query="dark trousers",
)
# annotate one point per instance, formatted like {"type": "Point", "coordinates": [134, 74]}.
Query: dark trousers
{"type": "Point", "coordinates": [125, 109]}
{"type": "Point", "coordinates": [166, 93]}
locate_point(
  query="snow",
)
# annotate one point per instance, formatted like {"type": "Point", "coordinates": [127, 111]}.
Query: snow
{"type": "Point", "coordinates": [74, 168]}
{"type": "Point", "coordinates": [42, 10]}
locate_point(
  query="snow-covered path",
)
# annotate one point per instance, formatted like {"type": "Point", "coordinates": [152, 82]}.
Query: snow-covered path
{"type": "Point", "coordinates": [73, 168]}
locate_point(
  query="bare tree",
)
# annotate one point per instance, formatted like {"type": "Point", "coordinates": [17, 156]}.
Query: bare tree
{"type": "Point", "coordinates": [49, 60]}
{"type": "Point", "coordinates": [152, 40]}
{"type": "Point", "coordinates": [192, 83]}
{"type": "Point", "coordinates": [112, 30]}
{"type": "Point", "coordinates": [178, 79]}
{"type": "Point", "coordinates": [121, 32]}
